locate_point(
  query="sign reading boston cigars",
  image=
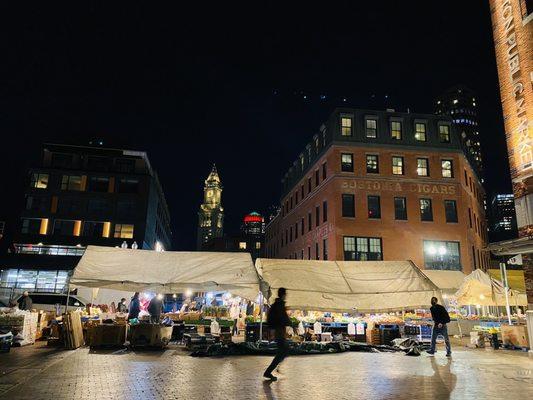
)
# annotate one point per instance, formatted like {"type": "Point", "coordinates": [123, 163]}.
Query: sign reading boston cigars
{"type": "Point", "coordinates": [513, 40]}
{"type": "Point", "coordinates": [421, 188]}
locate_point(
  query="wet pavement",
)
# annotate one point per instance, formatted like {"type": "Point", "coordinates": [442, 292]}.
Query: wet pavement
{"type": "Point", "coordinates": [35, 372]}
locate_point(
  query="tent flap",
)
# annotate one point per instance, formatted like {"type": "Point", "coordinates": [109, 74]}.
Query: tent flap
{"type": "Point", "coordinates": [344, 286]}
{"type": "Point", "coordinates": [167, 272]}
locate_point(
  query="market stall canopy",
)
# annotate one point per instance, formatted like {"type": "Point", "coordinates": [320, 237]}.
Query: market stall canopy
{"type": "Point", "coordinates": [344, 286]}
{"type": "Point", "coordinates": [447, 281]}
{"type": "Point", "coordinates": [167, 272]}
{"type": "Point", "coordinates": [479, 288]}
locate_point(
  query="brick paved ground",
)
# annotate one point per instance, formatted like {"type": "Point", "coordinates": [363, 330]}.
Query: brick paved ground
{"type": "Point", "coordinates": [173, 374]}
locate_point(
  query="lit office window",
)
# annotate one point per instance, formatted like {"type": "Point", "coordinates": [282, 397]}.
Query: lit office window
{"type": "Point", "coordinates": [71, 182]}
{"type": "Point", "coordinates": [422, 167]}
{"type": "Point", "coordinates": [450, 209]}
{"type": "Point", "coordinates": [346, 126]}
{"type": "Point", "coordinates": [39, 181]}
{"type": "Point", "coordinates": [346, 162]}
{"type": "Point", "coordinates": [442, 255]}
{"type": "Point", "coordinates": [257, 245]}
{"type": "Point", "coordinates": [372, 164]}
{"type": "Point", "coordinates": [374, 207]}
{"type": "Point", "coordinates": [362, 249]}
{"type": "Point", "coordinates": [397, 165]}
{"type": "Point", "coordinates": [242, 245]}
{"type": "Point", "coordinates": [396, 130]}
{"type": "Point", "coordinates": [444, 133]}
{"type": "Point", "coordinates": [371, 128]}
{"type": "Point", "coordinates": [123, 231]}
{"type": "Point", "coordinates": [420, 132]}
{"type": "Point", "coordinates": [426, 210]}
{"type": "Point", "coordinates": [447, 168]}
{"type": "Point", "coordinates": [400, 208]}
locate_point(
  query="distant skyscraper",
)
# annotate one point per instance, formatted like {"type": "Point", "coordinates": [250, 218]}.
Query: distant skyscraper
{"type": "Point", "coordinates": [503, 217]}
{"type": "Point", "coordinates": [211, 214]}
{"type": "Point", "coordinates": [460, 103]}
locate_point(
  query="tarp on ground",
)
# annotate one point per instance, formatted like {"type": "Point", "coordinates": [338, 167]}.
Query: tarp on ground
{"type": "Point", "coordinates": [447, 281]}
{"type": "Point", "coordinates": [344, 286]}
{"type": "Point", "coordinates": [479, 288]}
{"type": "Point", "coordinates": [167, 272]}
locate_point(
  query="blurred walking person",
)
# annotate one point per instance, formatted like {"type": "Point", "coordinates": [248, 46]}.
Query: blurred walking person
{"type": "Point", "coordinates": [278, 320]}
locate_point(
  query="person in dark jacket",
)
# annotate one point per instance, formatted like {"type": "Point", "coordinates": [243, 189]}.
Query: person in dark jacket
{"type": "Point", "coordinates": [122, 307]}
{"type": "Point", "coordinates": [440, 319]}
{"type": "Point", "coordinates": [135, 307]}
{"type": "Point", "coordinates": [155, 308]}
{"type": "Point", "coordinates": [26, 302]}
{"type": "Point", "coordinates": [278, 320]}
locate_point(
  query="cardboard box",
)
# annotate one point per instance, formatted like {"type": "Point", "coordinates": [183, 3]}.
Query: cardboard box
{"type": "Point", "coordinates": [106, 335]}
{"type": "Point", "coordinates": [515, 335]}
{"type": "Point", "coordinates": [153, 335]}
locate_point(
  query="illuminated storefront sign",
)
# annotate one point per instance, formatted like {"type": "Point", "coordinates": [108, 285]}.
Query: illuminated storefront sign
{"type": "Point", "coordinates": [421, 188]}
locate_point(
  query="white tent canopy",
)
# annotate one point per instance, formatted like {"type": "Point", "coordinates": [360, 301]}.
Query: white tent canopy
{"type": "Point", "coordinates": [447, 281]}
{"type": "Point", "coordinates": [343, 286]}
{"type": "Point", "coordinates": [167, 272]}
{"type": "Point", "coordinates": [479, 288]}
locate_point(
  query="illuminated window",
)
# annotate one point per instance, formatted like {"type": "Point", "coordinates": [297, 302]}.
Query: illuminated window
{"type": "Point", "coordinates": [422, 167]}
{"type": "Point", "coordinates": [420, 131]}
{"type": "Point", "coordinates": [426, 210]}
{"type": "Point", "coordinates": [442, 255]}
{"type": "Point", "coordinates": [397, 165]}
{"type": "Point", "coordinates": [257, 245]}
{"type": "Point", "coordinates": [372, 164]}
{"type": "Point", "coordinates": [123, 231]}
{"type": "Point", "coordinates": [444, 133]}
{"type": "Point", "coordinates": [39, 181]}
{"type": "Point", "coordinates": [362, 249]}
{"type": "Point", "coordinates": [346, 126]}
{"type": "Point", "coordinates": [242, 245]}
{"type": "Point", "coordinates": [346, 162]}
{"type": "Point", "coordinates": [447, 168]}
{"type": "Point", "coordinates": [302, 161]}
{"type": "Point", "coordinates": [396, 130]}
{"type": "Point", "coordinates": [371, 128]}
{"type": "Point", "coordinates": [71, 182]}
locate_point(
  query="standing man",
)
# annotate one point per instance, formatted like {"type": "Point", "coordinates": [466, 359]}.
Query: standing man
{"type": "Point", "coordinates": [155, 308]}
{"type": "Point", "coordinates": [278, 319]}
{"type": "Point", "coordinates": [135, 307]}
{"type": "Point", "coordinates": [26, 302]}
{"type": "Point", "coordinates": [440, 319]}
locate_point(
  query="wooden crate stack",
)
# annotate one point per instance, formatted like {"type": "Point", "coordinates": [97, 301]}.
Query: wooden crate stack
{"type": "Point", "coordinates": [73, 331]}
{"type": "Point", "coordinates": [26, 324]}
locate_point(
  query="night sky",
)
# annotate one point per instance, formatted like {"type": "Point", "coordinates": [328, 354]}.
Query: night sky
{"type": "Point", "coordinates": [240, 87]}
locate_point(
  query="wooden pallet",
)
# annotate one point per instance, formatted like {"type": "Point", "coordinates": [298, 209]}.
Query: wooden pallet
{"type": "Point", "coordinates": [73, 331]}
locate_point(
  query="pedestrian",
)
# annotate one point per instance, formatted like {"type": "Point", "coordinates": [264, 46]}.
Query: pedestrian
{"type": "Point", "coordinates": [440, 319]}
{"type": "Point", "coordinates": [155, 308]}
{"type": "Point", "coordinates": [122, 307]}
{"type": "Point", "coordinates": [278, 320]}
{"type": "Point", "coordinates": [135, 307]}
{"type": "Point", "coordinates": [26, 302]}
{"type": "Point", "coordinates": [234, 313]}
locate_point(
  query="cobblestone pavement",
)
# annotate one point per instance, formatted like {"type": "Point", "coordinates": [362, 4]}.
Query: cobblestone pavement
{"type": "Point", "coordinates": [173, 374]}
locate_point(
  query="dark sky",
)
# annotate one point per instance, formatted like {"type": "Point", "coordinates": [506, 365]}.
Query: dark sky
{"type": "Point", "coordinates": [193, 86]}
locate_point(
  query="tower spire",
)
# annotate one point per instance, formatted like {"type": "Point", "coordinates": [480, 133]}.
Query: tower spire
{"type": "Point", "coordinates": [211, 213]}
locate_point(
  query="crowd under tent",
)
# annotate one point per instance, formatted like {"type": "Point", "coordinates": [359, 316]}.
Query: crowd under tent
{"type": "Point", "coordinates": [167, 272]}
{"type": "Point", "coordinates": [348, 286]}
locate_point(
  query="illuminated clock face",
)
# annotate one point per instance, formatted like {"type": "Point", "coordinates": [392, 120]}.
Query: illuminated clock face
{"type": "Point", "coordinates": [209, 193]}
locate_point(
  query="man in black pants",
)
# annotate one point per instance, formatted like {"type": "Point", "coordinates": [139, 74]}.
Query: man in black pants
{"type": "Point", "coordinates": [440, 319]}
{"type": "Point", "coordinates": [278, 319]}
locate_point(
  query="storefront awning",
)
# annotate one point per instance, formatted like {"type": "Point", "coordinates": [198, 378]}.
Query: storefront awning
{"type": "Point", "coordinates": [447, 281]}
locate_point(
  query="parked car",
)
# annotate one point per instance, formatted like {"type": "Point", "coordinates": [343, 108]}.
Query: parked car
{"type": "Point", "coordinates": [48, 301]}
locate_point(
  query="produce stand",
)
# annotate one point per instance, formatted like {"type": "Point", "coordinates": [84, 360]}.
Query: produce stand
{"type": "Point", "coordinates": [22, 324]}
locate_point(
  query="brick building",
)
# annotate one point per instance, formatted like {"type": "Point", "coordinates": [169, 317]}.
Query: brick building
{"type": "Point", "coordinates": [376, 185]}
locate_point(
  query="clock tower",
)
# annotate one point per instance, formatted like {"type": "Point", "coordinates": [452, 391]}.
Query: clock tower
{"type": "Point", "coordinates": [211, 213]}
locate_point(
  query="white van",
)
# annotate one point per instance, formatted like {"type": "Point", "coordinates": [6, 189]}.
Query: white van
{"type": "Point", "coordinates": [49, 301]}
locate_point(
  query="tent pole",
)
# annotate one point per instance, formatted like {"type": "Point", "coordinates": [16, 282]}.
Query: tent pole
{"type": "Point", "coordinates": [260, 316]}
{"type": "Point", "coordinates": [503, 272]}
{"type": "Point", "coordinates": [68, 294]}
